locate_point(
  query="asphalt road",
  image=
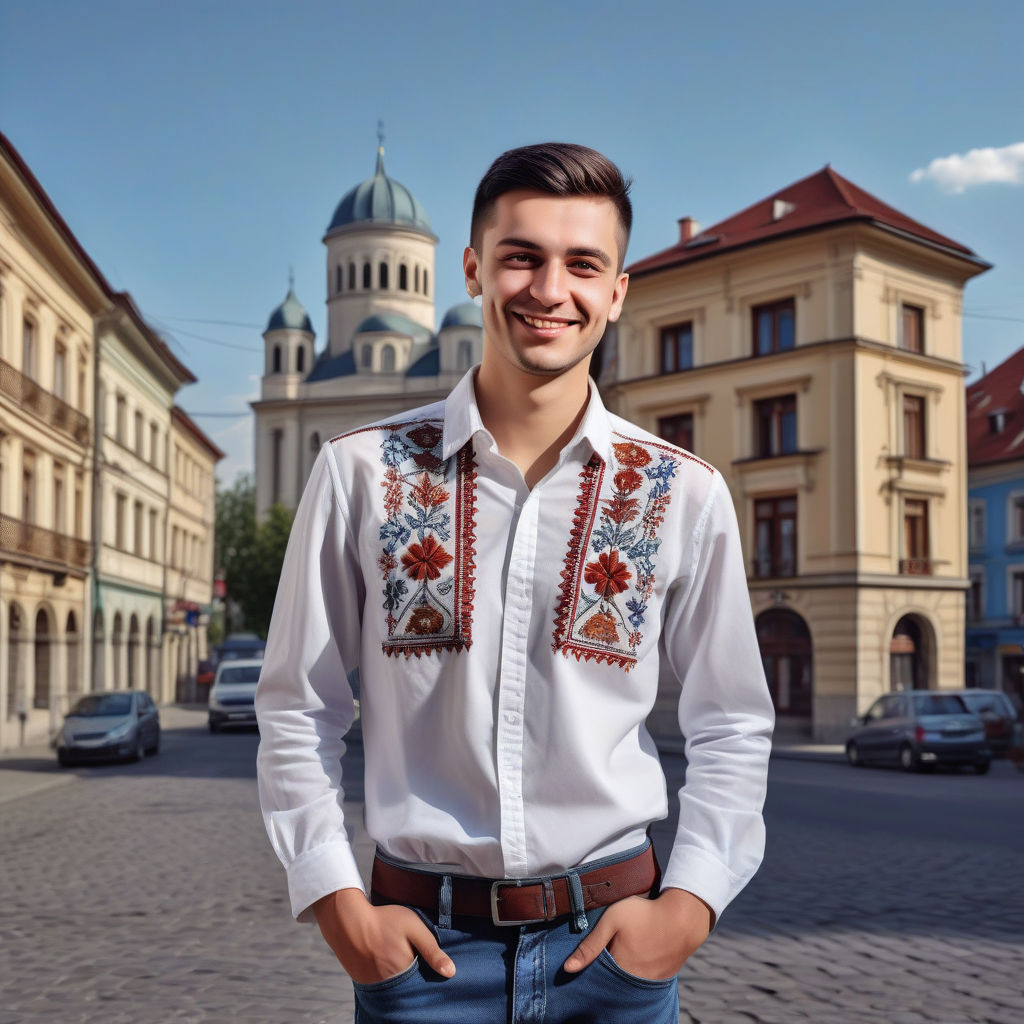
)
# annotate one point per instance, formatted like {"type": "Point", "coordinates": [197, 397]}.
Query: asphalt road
{"type": "Point", "coordinates": [148, 893]}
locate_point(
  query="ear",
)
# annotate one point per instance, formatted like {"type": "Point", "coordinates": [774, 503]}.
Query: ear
{"type": "Point", "coordinates": [618, 297]}
{"type": "Point", "coordinates": [471, 268]}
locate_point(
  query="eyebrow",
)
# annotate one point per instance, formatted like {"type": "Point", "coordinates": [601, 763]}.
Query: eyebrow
{"type": "Point", "coordinates": [522, 243]}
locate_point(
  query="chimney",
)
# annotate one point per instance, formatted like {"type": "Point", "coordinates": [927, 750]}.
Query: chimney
{"type": "Point", "coordinates": [688, 227]}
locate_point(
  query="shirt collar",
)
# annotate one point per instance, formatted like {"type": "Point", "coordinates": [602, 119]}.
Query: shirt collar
{"type": "Point", "coordinates": [462, 421]}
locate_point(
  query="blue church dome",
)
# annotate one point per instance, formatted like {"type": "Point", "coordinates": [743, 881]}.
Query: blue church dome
{"type": "Point", "coordinates": [290, 315]}
{"type": "Point", "coordinates": [380, 200]}
{"type": "Point", "coordinates": [465, 314]}
{"type": "Point", "coordinates": [394, 323]}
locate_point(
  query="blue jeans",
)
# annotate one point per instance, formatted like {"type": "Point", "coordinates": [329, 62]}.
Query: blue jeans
{"type": "Point", "coordinates": [513, 975]}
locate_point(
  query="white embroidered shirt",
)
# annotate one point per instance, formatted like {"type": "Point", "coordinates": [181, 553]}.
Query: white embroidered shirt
{"type": "Point", "coordinates": [510, 643]}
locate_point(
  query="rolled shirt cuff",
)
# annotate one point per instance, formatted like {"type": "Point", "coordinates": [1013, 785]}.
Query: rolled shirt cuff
{"type": "Point", "coordinates": [318, 872]}
{"type": "Point", "coordinates": [697, 871]}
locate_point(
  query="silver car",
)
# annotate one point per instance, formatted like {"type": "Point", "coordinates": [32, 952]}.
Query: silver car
{"type": "Point", "coordinates": [920, 729]}
{"type": "Point", "coordinates": [233, 692]}
{"type": "Point", "coordinates": [108, 725]}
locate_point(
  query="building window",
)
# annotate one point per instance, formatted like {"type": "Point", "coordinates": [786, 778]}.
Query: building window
{"type": "Point", "coordinates": [382, 275]}
{"type": "Point", "coordinates": [677, 430]}
{"type": "Point", "coordinates": [137, 521]}
{"type": "Point", "coordinates": [60, 372]}
{"type": "Point", "coordinates": [416, 280]}
{"type": "Point", "coordinates": [403, 277]}
{"type": "Point", "coordinates": [139, 434]}
{"type": "Point", "coordinates": [351, 276]}
{"type": "Point", "coordinates": [59, 516]}
{"type": "Point", "coordinates": [975, 599]}
{"type": "Point", "coordinates": [913, 427]}
{"type": "Point", "coordinates": [676, 347]}
{"type": "Point", "coordinates": [387, 358]}
{"type": "Point", "coordinates": [121, 420]}
{"type": "Point", "coordinates": [28, 487]}
{"type": "Point", "coordinates": [154, 443]}
{"type": "Point", "coordinates": [775, 528]}
{"type": "Point", "coordinates": [366, 356]}
{"type": "Point", "coordinates": [300, 359]}
{"type": "Point", "coordinates": [1016, 519]}
{"type": "Point", "coordinates": [426, 289]}
{"type": "Point", "coordinates": [774, 327]}
{"type": "Point", "coordinates": [80, 396]}
{"type": "Point", "coordinates": [775, 426]}
{"type": "Point", "coordinates": [276, 455]}
{"type": "Point", "coordinates": [337, 278]}
{"type": "Point", "coordinates": [79, 504]}
{"type": "Point", "coordinates": [366, 274]}
{"type": "Point", "coordinates": [120, 512]}
{"type": "Point", "coordinates": [976, 523]}
{"type": "Point", "coordinates": [28, 348]}
{"type": "Point", "coordinates": [1017, 596]}
{"type": "Point", "coordinates": [915, 538]}
{"type": "Point", "coordinates": [276, 365]}
{"type": "Point", "coordinates": [912, 328]}
{"type": "Point", "coordinates": [152, 534]}
{"type": "Point", "coordinates": [465, 356]}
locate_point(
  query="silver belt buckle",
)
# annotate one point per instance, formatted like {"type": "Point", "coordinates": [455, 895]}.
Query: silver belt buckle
{"type": "Point", "coordinates": [513, 883]}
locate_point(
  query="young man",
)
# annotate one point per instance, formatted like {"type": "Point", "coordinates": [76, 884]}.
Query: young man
{"type": "Point", "coordinates": [513, 570]}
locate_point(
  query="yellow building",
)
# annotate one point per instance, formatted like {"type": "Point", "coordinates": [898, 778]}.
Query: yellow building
{"type": "Point", "coordinates": [190, 529]}
{"type": "Point", "coordinates": [49, 293]}
{"type": "Point", "coordinates": [809, 347]}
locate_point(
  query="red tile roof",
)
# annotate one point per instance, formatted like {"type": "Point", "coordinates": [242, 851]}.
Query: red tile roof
{"type": "Point", "coordinates": [998, 391]}
{"type": "Point", "coordinates": [821, 200]}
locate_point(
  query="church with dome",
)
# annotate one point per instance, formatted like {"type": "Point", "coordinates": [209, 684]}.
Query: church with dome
{"type": "Point", "coordinates": [384, 352]}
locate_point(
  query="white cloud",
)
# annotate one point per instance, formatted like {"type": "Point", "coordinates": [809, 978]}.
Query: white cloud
{"type": "Point", "coordinates": [958, 172]}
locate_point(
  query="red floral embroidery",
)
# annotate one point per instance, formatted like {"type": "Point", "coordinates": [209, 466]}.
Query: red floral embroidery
{"type": "Point", "coordinates": [427, 493]}
{"type": "Point", "coordinates": [601, 627]}
{"type": "Point", "coordinates": [425, 561]}
{"type": "Point", "coordinates": [628, 480]}
{"type": "Point", "coordinates": [426, 436]}
{"type": "Point", "coordinates": [386, 563]}
{"type": "Point", "coordinates": [608, 575]}
{"type": "Point", "coordinates": [630, 454]}
{"type": "Point", "coordinates": [621, 509]}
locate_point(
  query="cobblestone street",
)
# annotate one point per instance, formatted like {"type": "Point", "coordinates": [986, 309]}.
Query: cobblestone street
{"type": "Point", "coordinates": [148, 893]}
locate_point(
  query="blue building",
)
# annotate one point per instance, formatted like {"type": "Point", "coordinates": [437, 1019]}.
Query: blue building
{"type": "Point", "coordinates": [995, 481]}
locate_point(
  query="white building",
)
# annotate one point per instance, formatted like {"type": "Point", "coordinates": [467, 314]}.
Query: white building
{"type": "Point", "coordinates": [383, 353]}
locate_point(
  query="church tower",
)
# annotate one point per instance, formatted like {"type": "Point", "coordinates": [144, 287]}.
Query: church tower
{"type": "Point", "coordinates": [288, 348]}
{"type": "Point", "coordinates": [380, 258]}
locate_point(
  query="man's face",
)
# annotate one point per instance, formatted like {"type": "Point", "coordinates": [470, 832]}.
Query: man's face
{"type": "Point", "coordinates": [547, 271]}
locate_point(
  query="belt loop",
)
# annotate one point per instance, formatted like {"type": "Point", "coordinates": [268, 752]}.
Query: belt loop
{"type": "Point", "coordinates": [444, 903]}
{"type": "Point", "coordinates": [579, 915]}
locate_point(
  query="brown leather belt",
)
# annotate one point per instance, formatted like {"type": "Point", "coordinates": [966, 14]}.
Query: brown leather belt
{"type": "Point", "coordinates": [512, 901]}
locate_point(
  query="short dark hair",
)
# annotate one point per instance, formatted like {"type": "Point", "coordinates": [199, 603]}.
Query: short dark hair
{"type": "Point", "coordinates": [559, 169]}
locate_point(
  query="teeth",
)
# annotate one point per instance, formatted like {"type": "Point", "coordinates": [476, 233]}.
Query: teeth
{"type": "Point", "coordinates": [543, 324]}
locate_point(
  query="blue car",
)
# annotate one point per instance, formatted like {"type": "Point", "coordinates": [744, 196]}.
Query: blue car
{"type": "Point", "coordinates": [114, 724]}
{"type": "Point", "coordinates": [920, 729]}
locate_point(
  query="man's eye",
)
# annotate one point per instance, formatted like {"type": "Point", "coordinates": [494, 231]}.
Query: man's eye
{"type": "Point", "coordinates": [585, 265]}
{"type": "Point", "coordinates": [520, 257]}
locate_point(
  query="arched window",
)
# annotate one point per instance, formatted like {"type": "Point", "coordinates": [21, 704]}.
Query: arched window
{"type": "Point", "coordinates": [15, 660]}
{"type": "Point", "coordinates": [786, 653]}
{"type": "Point", "coordinates": [383, 274]}
{"type": "Point", "coordinates": [134, 672]}
{"type": "Point", "coordinates": [387, 358]}
{"type": "Point", "coordinates": [314, 441]}
{"type": "Point", "coordinates": [277, 359]}
{"type": "Point", "coordinates": [71, 646]}
{"type": "Point", "coordinates": [152, 652]}
{"type": "Point", "coordinates": [465, 357]}
{"type": "Point", "coordinates": [300, 359]}
{"type": "Point", "coordinates": [41, 697]}
{"type": "Point", "coordinates": [426, 290]}
{"type": "Point", "coordinates": [416, 280]}
{"type": "Point", "coordinates": [403, 277]}
{"type": "Point", "coordinates": [366, 356]}
{"type": "Point", "coordinates": [117, 647]}
{"type": "Point", "coordinates": [351, 277]}
{"type": "Point", "coordinates": [366, 275]}
{"type": "Point", "coordinates": [337, 278]}
{"type": "Point", "coordinates": [98, 650]}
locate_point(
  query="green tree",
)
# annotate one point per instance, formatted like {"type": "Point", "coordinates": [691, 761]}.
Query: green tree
{"type": "Point", "coordinates": [249, 552]}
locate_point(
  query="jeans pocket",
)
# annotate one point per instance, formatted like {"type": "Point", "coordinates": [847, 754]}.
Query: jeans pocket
{"type": "Point", "coordinates": [387, 983]}
{"type": "Point", "coordinates": [610, 963]}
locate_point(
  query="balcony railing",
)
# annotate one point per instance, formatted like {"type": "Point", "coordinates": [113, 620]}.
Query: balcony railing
{"type": "Point", "coordinates": [915, 567]}
{"type": "Point", "coordinates": [47, 406]}
{"type": "Point", "coordinates": [26, 539]}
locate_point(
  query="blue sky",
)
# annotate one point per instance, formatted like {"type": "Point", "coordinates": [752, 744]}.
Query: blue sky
{"type": "Point", "coordinates": [198, 150]}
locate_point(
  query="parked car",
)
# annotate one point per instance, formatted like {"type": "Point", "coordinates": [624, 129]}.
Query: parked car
{"type": "Point", "coordinates": [237, 646]}
{"type": "Point", "coordinates": [112, 724]}
{"type": "Point", "coordinates": [919, 729]}
{"type": "Point", "coordinates": [232, 693]}
{"type": "Point", "coordinates": [997, 714]}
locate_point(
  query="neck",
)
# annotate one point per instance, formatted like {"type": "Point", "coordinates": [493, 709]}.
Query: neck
{"type": "Point", "coordinates": [531, 418]}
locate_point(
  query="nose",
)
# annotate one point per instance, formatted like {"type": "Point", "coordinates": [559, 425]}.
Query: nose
{"type": "Point", "coordinates": [550, 284]}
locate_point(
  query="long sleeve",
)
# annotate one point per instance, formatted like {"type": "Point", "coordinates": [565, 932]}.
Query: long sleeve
{"type": "Point", "coordinates": [725, 713]}
{"type": "Point", "coordinates": [304, 703]}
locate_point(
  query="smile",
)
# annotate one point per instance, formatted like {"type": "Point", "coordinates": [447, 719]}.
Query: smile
{"type": "Point", "coordinates": [544, 325]}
